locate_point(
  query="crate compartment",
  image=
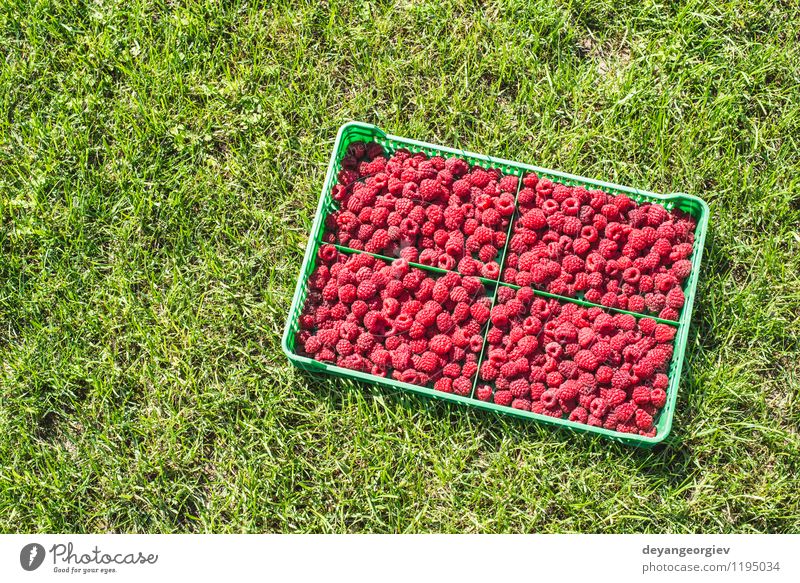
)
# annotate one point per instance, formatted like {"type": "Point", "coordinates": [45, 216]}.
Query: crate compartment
{"type": "Point", "coordinates": [354, 132]}
{"type": "Point", "coordinates": [394, 320]}
{"type": "Point", "coordinates": [461, 227]}
{"type": "Point", "coordinates": [610, 250]}
{"type": "Point", "coordinates": [585, 365]}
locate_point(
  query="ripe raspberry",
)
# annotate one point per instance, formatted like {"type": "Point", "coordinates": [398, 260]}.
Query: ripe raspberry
{"type": "Point", "coordinates": [489, 371]}
{"type": "Point", "coordinates": [664, 333]}
{"type": "Point", "coordinates": [520, 388]}
{"type": "Point", "coordinates": [568, 391]}
{"type": "Point", "coordinates": [658, 398]}
{"type": "Point", "coordinates": [586, 360]}
{"type": "Point", "coordinates": [444, 384]}
{"type": "Point", "coordinates": [675, 298]}
{"type": "Point", "coordinates": [599, 407]}
{"type": "Point", "coordinates": [521, 404]}
{"type": "Point", "coordinates": [488, 252]}
{"type": "Point", "coordinates": [484, 393]}
{"type": "Point", "coordinates": [549, 399]}
{"type": "Point", "coordinates": [681, 269]}
{"type": "Point", "coordinates": [644, 420]}
{"type": "Point", "coordinates": [508, 183]}
{"type": "Point", "coordinates": [462, 386]}
{"type": "Point", "coordinates": [441, 344]}
{"type": "Point", "coordinates": [366, 290]}
{"type": "Point", "coordinates": [624, 412]}
{"type": "Point", "coordinates": [503, 398]}
{"type": "Point", "coordinates": [579, 414]}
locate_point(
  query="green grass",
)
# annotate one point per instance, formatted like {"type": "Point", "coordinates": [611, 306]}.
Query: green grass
{"type": "Point", "coordinates": [160, 164]}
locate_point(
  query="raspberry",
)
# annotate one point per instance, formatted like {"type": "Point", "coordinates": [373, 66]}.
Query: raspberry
{"type": "Point", "coordinates": [508, 183]}
{"type": "Point", "coordinates": [681, 269]}
{"type": "Point", "coordinates": [347, 293]}
{"type": "Point", "coordinates": [484, 393]}
{"type": "Point", "coordinates": [625, 322]}
{"type": "Point", "coordinates": [366, 289]}
{"type": "Point", "coordinates": [521, 404]}
{"type": "Point", "coordinates": [534, 219]}
{"type": "Point", "coordinates": [599, 407]}
{"type": "Point", "coordinates": [568, 391]}
{"type": "Point", "coordinates": [549, 399]}
{"type": "Point", "coordinates": [644, 420]}
{"type": "Point", "coordinates": [503, 398]}
{"type": "Point", "coordinates": [579, 415]}
{"type": "Point", "coordinates": [664, 333]}
{"type": "Point", "coordinates": [668, 314]}
{"type": "Point", "coordinates": [499, 316]}
{"type": "Point", "coordinates": [624, 412]}
{"type": "Point", "coordinates": [444, 385]}
{"type": "Point", "coordinates": [586, 360]}
{"type": "Point", "coordinates": [441, 344]}
{"type": "Point", "coordinates": [488, 252]}
{"type": "Point", "coordinates": [675, 298]}
{"type": "Point", "coordinates": [462, 386]}
{"type": "Point", "coordinates": [428, 190]}
{"type": "Point", "coordinates": [658, 398]}
{"type": "Point", "coordinates": [520, 388]}
{"type": "Point", "coordinates": [489, 371]}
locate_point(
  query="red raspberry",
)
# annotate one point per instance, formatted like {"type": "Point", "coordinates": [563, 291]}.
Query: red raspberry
{"type": "Point", "coordinates": [484, 393]}
{"type": "Point", "coordinates": [508, 183]}
{"type": "Point", "coordinates": [491, 270]}
{"type": "Point", "coordinates": [366, 290]}
{"type": "Point", "coordinates": [624, 412]}
{"type": "Point", "coordinates": [534, 219]}
{"type": "Point", "coordinates": [521, 404]}
{"type": "Point", "coordinates": [487, 253]}
{"type": "Point", "coordinates": [489, 371]}
{"type": "Point", "coordinates": [470, 368]}
{"type": "Point", "coordinates": [499, 316]}
{"type": "Point", "coordinates": [675, 298]}
{"type": "Point", "coordinates": [681, 269]}
{"type": "Point", "coordinates": [599, 407]}
{"type": "Point", "coordinates": [568, 391]}
{"type": "Point", "coordinates": [586, 360]}
{"type": "Point", "coordinates": [520, 388]}
{"type": "Point", "coordinates": [428, 362]}
{"type": "Point", "coordinates": [441, 344]}
{"type": "Point", "coordinates": [456, 166]}
{"type": "Point", "coordinates": [644, 420]}
{"type": "Point", "coordinates": [615, 396]}
{"type": "Point", "coordinates": [461, 312]}
{"type": "Point", "coordinates": [347, 293]}
{"type": "Point", "coordinates": [579, 415]}
{"type": "Point", "coordinates": [429, 190]}
{"type": "Point", "coordinates": [462, 386]}
{"type": "Point", "coordinates": [503, 398]}
{"type": "Point", "coordinates": [664, 333]}
{"type": "Point", "coordinates": [660, 381]}
{"type": "Point", "coordinates": [641, 395]}
{"type": "Point", "coordinates": [444, 385]}
{"type": "Point", "coordinates": [658, 398]}
{"type": "Point", "coordinates": [669, 314]}
{"type": "Point", "coordinates": [549, 399]}
{"type": "Point", "coordinates": [312, 345]}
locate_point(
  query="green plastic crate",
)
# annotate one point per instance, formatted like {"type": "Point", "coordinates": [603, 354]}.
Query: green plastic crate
{"type": "Point", "coordinates": [356, 131]}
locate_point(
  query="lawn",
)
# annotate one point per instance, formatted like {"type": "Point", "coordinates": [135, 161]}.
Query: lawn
{"type": "Point", "coordinates": [160, 165]}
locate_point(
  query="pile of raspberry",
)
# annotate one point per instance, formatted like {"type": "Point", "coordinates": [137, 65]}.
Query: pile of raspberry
{"type": "Point", "coordinates": [620, 254]}
{"type": "Point", "coordinates": [389, 319]}
{"type": "Point", "coordinates": [564, 360]}
{"type": "Point", "coordinates": [433, 211]}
